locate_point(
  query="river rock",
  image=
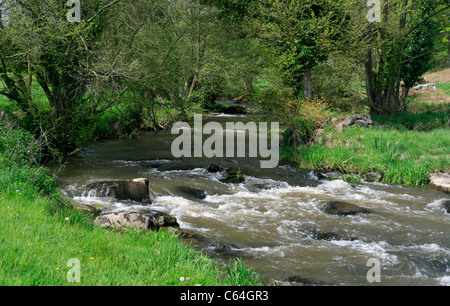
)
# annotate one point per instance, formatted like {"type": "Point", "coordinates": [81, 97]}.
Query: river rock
{"type": "Point", "coordinates": [88, 209]}
{"type": "Point", "coordinates": [440, 182]}
{"type": "Point", "coordinates": [373, 177]}
{"type": "Point", "coordinates": [234, 110]}
{"type": "Point", "coordinates": [189, 237]}
{"type": "Point", "coordinates": [302, 281]}
{"type": "Point", "coordinates": [193, 192]}
{"type": "Point", "coordinates": [160, 220]}
{"type": "Point", "coordinates": [213, 168]}
{"type": "Point", "coordinates": [234, 176]}
{"type": "Point", "coordinates": [343, 209]}
{"type": "Point", "coordinates": [154, 220]}
{"type": "Point", "coordinates": [446, 206]}
{"type": "Point", "coordinates": [221, 247]}
{"type": "Point", "coordinates": [327, 236]}
{"type": "Point", "coordinates": [134, 190]}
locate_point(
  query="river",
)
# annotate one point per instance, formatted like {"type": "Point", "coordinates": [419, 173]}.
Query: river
{"type": "Point", "coordinates": [274, 220]}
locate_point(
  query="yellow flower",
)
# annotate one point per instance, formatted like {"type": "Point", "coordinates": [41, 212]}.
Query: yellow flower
{"type": "Point", "coordinates": [57, 269]}
{"type": "Point", "coordinates": [92, 258]}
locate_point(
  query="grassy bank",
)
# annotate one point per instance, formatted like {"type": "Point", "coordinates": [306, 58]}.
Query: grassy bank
{"type": "Point", "coordinates": [402, 157]}
{"type": "Point", "coordinates": [404, 148]}
{"type": "Point", "coordinates": [40, 232]}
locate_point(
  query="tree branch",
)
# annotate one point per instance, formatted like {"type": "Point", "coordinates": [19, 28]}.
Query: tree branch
{"type": "Point", "coordinates": [423, 54]}
{"type": "Point", "coordinates": [102, 9]}
{"type": "Point", "coordinates": [434, 14]}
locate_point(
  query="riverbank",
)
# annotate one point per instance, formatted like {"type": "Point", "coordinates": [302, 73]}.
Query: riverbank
{"type": "Point", "coordinates": [41, 232]}
{"type": "Point", "coordinates": [406, 149]}
{"type": "Point", "coordinates": [385, 154]}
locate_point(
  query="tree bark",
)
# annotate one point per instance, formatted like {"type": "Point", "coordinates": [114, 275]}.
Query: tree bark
{"type": "Point", "coordinates": [369, 80]}
{"type": "Point", "coordinates": [308, 84]}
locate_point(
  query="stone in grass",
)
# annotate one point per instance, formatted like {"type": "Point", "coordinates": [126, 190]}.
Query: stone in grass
{"type": "Point", "coordinates": [153, 220]}
{"type": "Point", "coordinates": [344, 209]}
{"type": "Point", "coordinates": [88, 209]}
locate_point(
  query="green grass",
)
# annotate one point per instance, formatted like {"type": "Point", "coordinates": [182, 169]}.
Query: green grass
{"type": "Point", "coordinates": [443, 86]}
{"type": "Point", "coordinates": [404, 157]}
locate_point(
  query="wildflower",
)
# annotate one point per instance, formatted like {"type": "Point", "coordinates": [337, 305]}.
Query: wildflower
{"type": "Point", "coordinates": [67, 219]}
{"type": "Point", "coordinates": [182, 279]}
{"type": "Point", "coordinates": [91, 258]}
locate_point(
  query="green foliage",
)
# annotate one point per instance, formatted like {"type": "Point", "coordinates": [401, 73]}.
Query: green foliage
{"type": "Point", "coordinates": [18, 146]}
{"type": "Point", "coordinates": [419, 42]}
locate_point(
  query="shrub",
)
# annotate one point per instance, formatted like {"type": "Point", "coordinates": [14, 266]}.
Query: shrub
{"type": "Point", "coordinates": [303, 118]}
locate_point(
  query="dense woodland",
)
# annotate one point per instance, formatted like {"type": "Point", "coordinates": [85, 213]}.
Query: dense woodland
{"type": "Point", "coordinates": [145, 64]}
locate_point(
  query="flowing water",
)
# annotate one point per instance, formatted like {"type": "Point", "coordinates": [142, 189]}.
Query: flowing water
{"type": "Point", "coordinates": [274, 219]}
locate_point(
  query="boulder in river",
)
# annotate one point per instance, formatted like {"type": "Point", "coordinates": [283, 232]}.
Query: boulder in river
{"type": "Point", "coordinates": [134, 190]}
{"type": "Point", "coordinates": [193, 192]}
{"type": "Point", "coordinates": [213, 168]}
{"type": "Point", "coordinates": [343, 209]}
{"type": "Point", "coordinates": [221, 247]}
{"type": "Point", "coordinates": [302, 281]}
{"type": "Point", "coordinates": [327, 236]}
{"type": "Point", "coordinates": [233, 176]}
{"type": "Point", "coordinates": [446, 206]}
{"type": "Point", "coordinates": [234, 110]}
{"type": "Point", "coordinates": [150, 221]}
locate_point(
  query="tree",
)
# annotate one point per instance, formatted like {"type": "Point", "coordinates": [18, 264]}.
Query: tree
{"type": "Point", "coordinates": [39, 45]}
{"type": "Point", "coordinates": [399, 52]}
{"type": "Point", "coordinates": [303, 34]}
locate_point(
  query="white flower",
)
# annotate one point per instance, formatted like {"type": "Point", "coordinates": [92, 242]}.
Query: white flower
{"type": "Point", "coordinates": [67, 219]}
{"type": "Point", "coordinates": [182, 279]}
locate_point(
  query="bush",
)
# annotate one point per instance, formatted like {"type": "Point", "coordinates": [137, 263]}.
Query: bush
{"type": "Point", "coordinates": [303, 118]}
{"type": "Point", "coordinates": [340, 81]}
{"type": "Point", "coordinates": [21, 177]}
{"type": "Point", "coordinates": [18, 146]}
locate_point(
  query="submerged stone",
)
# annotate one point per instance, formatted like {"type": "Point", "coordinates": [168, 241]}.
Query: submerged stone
{"type": "Point", "coordinates": [344, 209]}
{"type": "Point", "coordinates": [193, 192]}
{"type": "Point", "coordinates": [234, 176]}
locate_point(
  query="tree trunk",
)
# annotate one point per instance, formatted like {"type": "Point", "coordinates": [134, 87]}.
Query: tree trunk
{"type": "Point", "coordinates": [369, 80]}
{"type": "Point", "coordinates": [308, 84]}
{"type": "Point", "coordinates": [404, 96]}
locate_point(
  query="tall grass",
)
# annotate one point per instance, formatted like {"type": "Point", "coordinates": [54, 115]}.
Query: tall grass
{"type": "Point", "coordinates": [403, 157]}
